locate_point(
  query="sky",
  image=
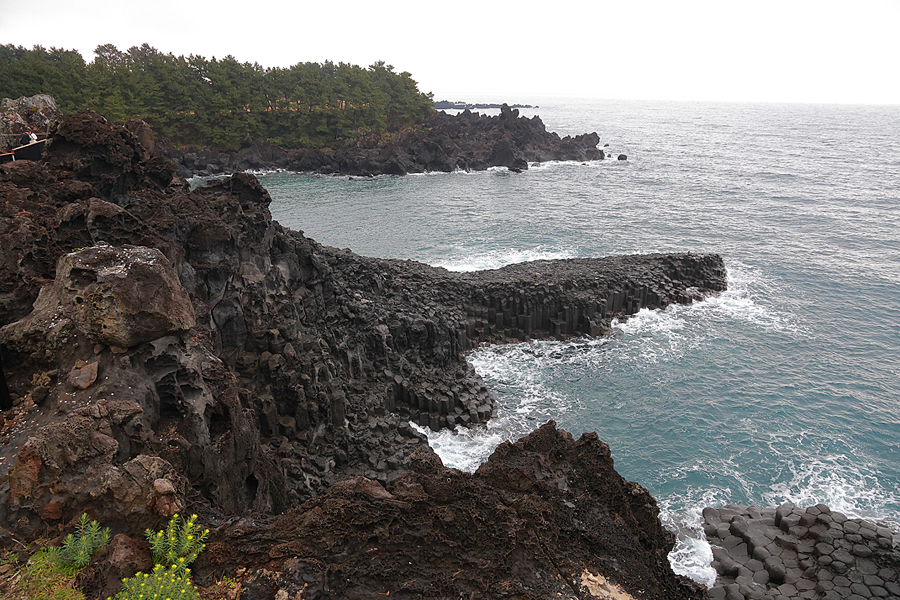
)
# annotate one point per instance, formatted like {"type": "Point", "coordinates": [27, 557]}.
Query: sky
{"type": "Point", "coordinates": [725, 50]}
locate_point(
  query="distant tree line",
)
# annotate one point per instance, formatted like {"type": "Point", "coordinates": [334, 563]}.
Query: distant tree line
{"type": "Point", "coordinates": [221, 103]}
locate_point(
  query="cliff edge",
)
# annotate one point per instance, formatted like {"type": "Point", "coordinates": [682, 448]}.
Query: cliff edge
{"type": "Point", "coordinates": [169, 349]}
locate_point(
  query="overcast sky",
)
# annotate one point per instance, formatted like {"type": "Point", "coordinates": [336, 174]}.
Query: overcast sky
{"type": "Point", "coordinates": [778, 51]}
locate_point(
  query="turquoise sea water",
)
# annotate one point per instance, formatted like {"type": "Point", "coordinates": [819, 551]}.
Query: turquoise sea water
{"type": "Point", "coordinates": [784, 388]}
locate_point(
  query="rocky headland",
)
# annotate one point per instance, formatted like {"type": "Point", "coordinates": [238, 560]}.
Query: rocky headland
{"type": "Point", "coordinates": [169, 349]}
{"type": "Point", "coordinates": [467, 141]}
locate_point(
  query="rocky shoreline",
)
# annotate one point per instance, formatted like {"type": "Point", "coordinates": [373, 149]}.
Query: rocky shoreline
{"type": "Point", "coordinates": [467, 141]}
{"type": "Point", "coordinates": [171, 349]}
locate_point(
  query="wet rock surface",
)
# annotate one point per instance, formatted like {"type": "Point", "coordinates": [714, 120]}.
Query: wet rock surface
{"type": "Point", "coordinates": [790, 553]}
{"type": "Point", "coordinates": [169, 349]}
{"type": "Point", "coordinates": [468, 141]}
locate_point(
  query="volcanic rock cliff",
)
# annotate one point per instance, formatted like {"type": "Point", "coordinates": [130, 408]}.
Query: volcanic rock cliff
{"type": "Point", "coordinates": [467, 141]}
{"type": "Point", "coordinates": [168, 348]}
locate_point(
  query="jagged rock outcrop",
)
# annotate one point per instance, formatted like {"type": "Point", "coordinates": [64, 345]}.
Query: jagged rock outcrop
{"type": "Point", "coordinates": [36, 113]}
{"type": "Point", "coordinates": [169, 348]}
{"type": "Point", "coordinates": [468, 141]}
{"type": "Point", "coordinates": [545, 517]}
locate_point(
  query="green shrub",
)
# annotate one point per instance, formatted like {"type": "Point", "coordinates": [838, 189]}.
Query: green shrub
{"type": "Point", "coordinates": [179, 544]}
{"type": "Point", "coordinates": [173, 583]}
{"type": "Point", "coordinates": [48, 579]}
{"type": "Point", "coordinates": [77, 548]}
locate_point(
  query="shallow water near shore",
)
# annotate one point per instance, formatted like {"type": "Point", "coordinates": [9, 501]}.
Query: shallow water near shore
{"type": "Point", "coordinates": [785, 388]}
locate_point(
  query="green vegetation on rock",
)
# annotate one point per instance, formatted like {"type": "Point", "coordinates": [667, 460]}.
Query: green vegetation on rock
{"type": "Point", "coordinates": [78, 548]}
{"type": "Point", "coordinates": [171, 584]}
{"type": "Point", "coordinates": [179, 544]}
{"type": "Point", "coordinates": [224, 102]}
{"type": "Point", "coordinates": [48, 579]}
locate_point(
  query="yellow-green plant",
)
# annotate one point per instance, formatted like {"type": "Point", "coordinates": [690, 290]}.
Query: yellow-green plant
{"type": "Point", "coordinates": [173, 583]}
{"type": "Point", "coordinates": [178, 545]}
{"type": "Point", "coordinates": [78, 548]}
{"type": "Point", "coordinates": [46, 578]}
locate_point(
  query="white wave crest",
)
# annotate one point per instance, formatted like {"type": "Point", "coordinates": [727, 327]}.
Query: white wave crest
{"type": "Point", "coordinates": [499, 258]}
{"type": "Point", "coordinates": [748, 299]}
{"type": "Point", "coordinates": [692, 557]}
{"type": "Point", "coordinates": [463, 448]}
{"type": "Point", "coordinates": [836, 482]}
{"type": "Point", "coordinates": [692, 554]}
{"type": "Point", "coordinates": [650, 321]}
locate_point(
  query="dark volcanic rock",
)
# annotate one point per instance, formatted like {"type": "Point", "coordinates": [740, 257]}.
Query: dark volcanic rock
{"type": "Point", "coordinates": [169, 348]}
{"type": "Point", "coordinates": [468, 141]}
{"type": "Point", "coordinates": [545, 517]}
{"type": "Point", "coordinates": [796, 553]}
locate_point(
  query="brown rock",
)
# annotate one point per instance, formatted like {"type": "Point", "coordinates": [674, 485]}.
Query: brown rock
{"type": "Point", "coordinates": [124, 557]}
{"type": "Point", "coordinates": [114, 296]}
{"type": "Point", "coordinates": [163, 486]}
{"type": "Point", "coordinates": [84, 377]}
{"type": "Point", "coordinates": [52, 511]}
{"type": "Point", "coordinates": [509, 522]}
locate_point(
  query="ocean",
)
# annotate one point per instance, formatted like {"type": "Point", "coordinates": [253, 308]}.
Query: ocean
{"type": "Point", "coordinates": [784, 388]}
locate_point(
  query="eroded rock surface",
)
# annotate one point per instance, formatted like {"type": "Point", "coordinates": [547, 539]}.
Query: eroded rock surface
{"type": "Point", "coordinates": [169, 348]}
{"type": "Point", "coordinates": [545, 517]}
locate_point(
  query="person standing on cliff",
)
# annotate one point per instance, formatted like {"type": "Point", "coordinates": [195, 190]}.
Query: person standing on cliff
{"type": "Point", "coordinates": [27, 138]}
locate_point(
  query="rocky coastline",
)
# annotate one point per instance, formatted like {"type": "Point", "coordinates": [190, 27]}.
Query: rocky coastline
{"type": "Point", "coordinates": [173, 349]}
{"type": "Point", "coordinates": [467, 141]}
{"type": "Point", "coordinates": [170, 349]}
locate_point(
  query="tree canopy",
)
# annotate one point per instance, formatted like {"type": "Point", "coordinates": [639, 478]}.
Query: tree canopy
{"type": "Point", "coordinates": [224, 102]}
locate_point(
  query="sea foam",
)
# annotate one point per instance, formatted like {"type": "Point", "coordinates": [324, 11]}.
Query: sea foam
{"type": "Point", "coordinates": [461, 261]}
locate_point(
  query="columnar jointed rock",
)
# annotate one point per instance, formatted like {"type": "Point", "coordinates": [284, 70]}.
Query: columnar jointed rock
{"type": "Point", "coordinates": [792, 553]}
{"type": "Point", "coordinates": [459, 311]}
{"type": "Point", "coordinates": [293, 366]}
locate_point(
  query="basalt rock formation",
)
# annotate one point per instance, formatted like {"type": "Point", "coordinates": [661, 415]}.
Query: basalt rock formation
{"type": "Point", "coordinates": [791, 553]}
{"type": "Point", "coordinates": [169, 348]}
{"type": "Point", "coordinates": [468, 141]}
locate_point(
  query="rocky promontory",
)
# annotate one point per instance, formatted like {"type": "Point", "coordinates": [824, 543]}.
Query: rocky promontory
{"type": "Point", "coordinates": [467, 141]}
{"type": "Point", "coordinates": [171, 349]}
